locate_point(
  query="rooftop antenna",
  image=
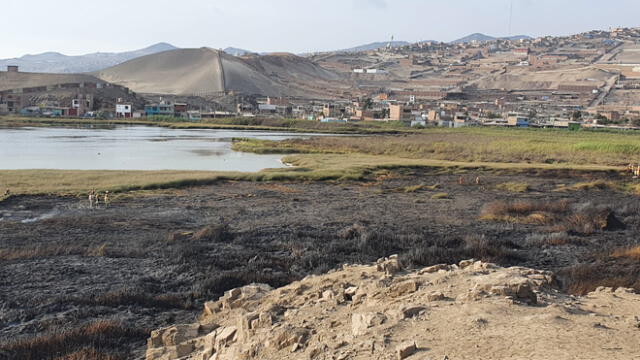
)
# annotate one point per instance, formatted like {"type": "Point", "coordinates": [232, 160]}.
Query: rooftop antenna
{"type": "Point", "coordinates": [389, 43]}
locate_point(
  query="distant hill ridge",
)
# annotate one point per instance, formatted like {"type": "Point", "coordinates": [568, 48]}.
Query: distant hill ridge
{"type": "Point", "coordinates": [486, 38]}
{"type": "Point", "coordinates": [374, 46]}
{"type": "Point", "coordinates": [237, 51]}
{"type": "Point", "coordinates": [55, 62]}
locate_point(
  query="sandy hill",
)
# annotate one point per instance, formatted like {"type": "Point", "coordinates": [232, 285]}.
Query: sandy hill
{"type": "Point", "coordinates": [527, 79]}
{"type": "Point", "coordinates": [206, 71]}
{"type": "Point", "coordinates": [289, 67]}
{"type": "Point", "coordinates": [472, 310]}
{"type": "Point", "coordinates": [17, 80]}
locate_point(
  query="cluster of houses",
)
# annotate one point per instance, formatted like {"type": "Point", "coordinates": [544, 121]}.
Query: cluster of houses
{"type": "Point", "coordinates": [445, 113]}
{"type": "Point", "coordinates": [79, 106]}
{"type": "Point", "coordinates": [125, 110]}
{"type": "Point", "coordinates": [382, 108]}
{"type": "Point", "coordinates": [83, 106]}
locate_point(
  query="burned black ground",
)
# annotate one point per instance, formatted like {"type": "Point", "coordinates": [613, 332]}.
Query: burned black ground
{"type": "Point", "coordinates": [151, 260]}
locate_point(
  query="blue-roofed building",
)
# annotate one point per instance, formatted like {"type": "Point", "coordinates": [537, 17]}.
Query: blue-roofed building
{"type": "Point", "coordinates": [161, 109]}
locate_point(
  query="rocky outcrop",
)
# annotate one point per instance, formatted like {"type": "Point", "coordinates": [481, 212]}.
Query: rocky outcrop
{"type": "Point", "coordinates": [471, 310]}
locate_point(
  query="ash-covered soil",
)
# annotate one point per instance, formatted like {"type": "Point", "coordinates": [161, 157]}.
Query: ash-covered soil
{"type": "Point", "coordinates": [151, 260]}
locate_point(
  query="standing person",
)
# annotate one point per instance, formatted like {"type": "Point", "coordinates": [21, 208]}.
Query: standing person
{"type": "Point", "coordinates": [106, 199]}
{"type": "Point", "coordinates": [92, 198]}
{"type": "Point", "coordinates": [97, 198]}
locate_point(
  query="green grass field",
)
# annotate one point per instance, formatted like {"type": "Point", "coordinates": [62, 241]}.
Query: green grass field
{"type": "Point", "coordinates": [352, 158]}
{"type": "Point", "coordinates": [499, 145]}
{"type": "Point", "coordinates": [307, 167]}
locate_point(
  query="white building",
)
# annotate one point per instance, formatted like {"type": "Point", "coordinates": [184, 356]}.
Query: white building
{"type": "Point", "coordinates": [376, 71]}
{"type": "Point", "coordinates": [124, 110]}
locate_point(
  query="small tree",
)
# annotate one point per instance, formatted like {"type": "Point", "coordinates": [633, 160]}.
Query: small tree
{"type": "Point", "coordinates": [576, 115]}
{"type": "Point", "coordinates": [367, 103]}
{"type": "Point", "coordinates": [602, 119]}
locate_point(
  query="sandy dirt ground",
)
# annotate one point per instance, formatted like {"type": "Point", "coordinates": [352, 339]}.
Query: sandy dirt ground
{"type": "Point", "coordinates": [470, 310]}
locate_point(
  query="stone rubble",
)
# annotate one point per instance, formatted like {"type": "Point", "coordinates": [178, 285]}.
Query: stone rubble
{"type": "Point", "coordinates": [386, 312]}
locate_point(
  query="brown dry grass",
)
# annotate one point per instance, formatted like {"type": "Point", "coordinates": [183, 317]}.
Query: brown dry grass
{"type": "Point", "coordinates": [280, 188]}
{"type": "Point", "coordinates": [628, 253]}
{"type": "Point", "coordinates": [416, 188]}
{"type": "Point", "coordinates": [589, 221]}
{"type": "Point", "coordinates": [514, 187]}
{"type": "Point", "coordinates": [129, 297]}
{"type": "Point", "coordinates": [634, 188]}
{"type": "Point", "coordinates": [89, 354]}
{"type": "Point", "coordinates": [214, 233]}
{"type": "Point", "coordinates": [590, 185]}
{"type": "Point", "coordinates": [554, 239]}
{"type": "Point", "coordinates": [525, 212]}
{"type": "Point", "coordinates": [440, 196]}
{"type": "Point", "coordinates": [557, 215]}
{"type": "Point", "coordinates": [584, 278]}
{"type": "Point", "coordinates": [43, 251]}
{"type": "Point", "coordinates": [98, 339]}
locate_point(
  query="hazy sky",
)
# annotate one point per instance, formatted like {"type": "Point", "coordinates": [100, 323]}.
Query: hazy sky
{"type": "Point", "coordinates": [81, 26]}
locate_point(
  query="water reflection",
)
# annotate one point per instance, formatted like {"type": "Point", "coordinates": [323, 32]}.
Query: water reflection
{"type": "Point", "coordinates": [132, 148]}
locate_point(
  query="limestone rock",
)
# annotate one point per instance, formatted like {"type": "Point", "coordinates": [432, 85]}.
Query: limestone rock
{"type": "Point", "coordinates": [361, 322]}
{"type": "Point", "coordinates": [407, 312]}
{"type": "Point", "coordinates": [521, 291]}
{"type": "Point", "coordinates": [404, 288]}
{"type": "Point", "coordinates": [357, 312]}
{"type": "Point", "coordinates": [288, 336]}
{"type": "Point", "coordinates": [390, 265]}
{"type": "Point", "coordinates": [225, 336]}
{"type": "Point", "coordinates": [406, 349]}
{"type": "Point", "coordinates": [466, 263]}
{"type": "Point", "coordinates": [212, 307]}
{"type": "Point", "coordinates": [434, 269]}
{"type": "Point", "coordinates": [236, 298]}
{"type": "Point", "coordinates": [436, 296]}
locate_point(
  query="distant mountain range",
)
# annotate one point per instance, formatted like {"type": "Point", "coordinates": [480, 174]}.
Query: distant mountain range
{"type": "Point", "coordinates": [53, 62]}
{"type": "Point", "coordinates": [374, 46]}
{"type": "Point", "coordinates": [238, 52]}
{"type": "Point", "coordinates": [486, 38]}
{"type": "Point", "coordinates": [473, 37]}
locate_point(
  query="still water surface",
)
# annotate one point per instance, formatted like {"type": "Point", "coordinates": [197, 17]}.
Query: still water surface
{"type": "Point", "coordinates": [132, 148]}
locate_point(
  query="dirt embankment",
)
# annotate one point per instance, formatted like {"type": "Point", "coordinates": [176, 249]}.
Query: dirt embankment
{"type": "Point", "coordinates": [472, 310]}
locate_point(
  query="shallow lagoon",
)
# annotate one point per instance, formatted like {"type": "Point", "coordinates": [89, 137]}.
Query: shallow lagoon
{"type": "Point", "coordinates": [133, 148]}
